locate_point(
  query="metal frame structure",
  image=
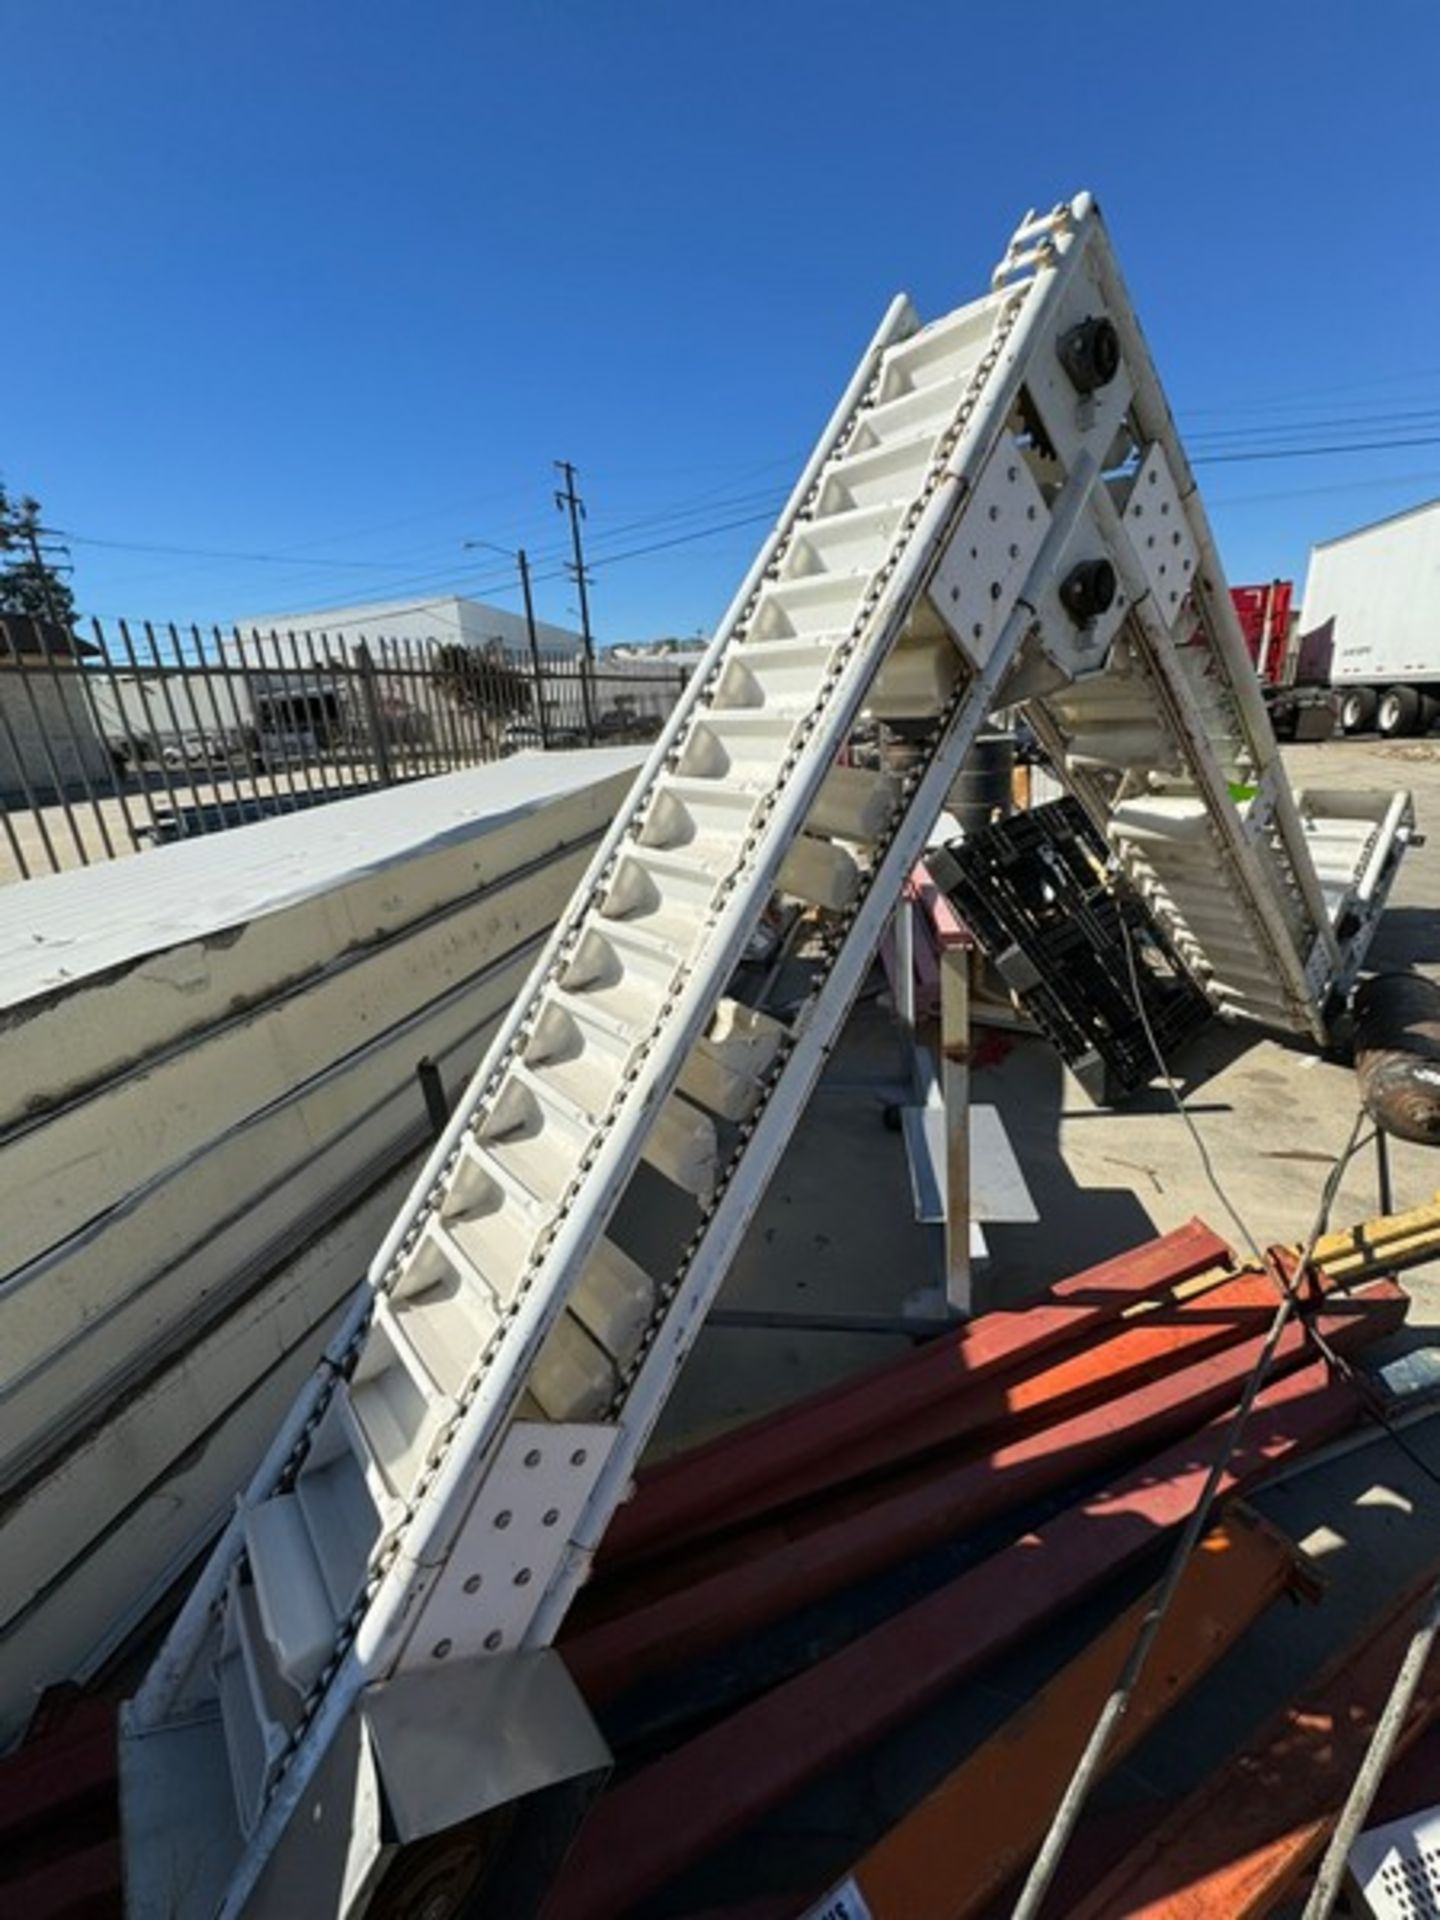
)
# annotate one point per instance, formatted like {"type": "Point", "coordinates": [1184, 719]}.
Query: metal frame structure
{"type": "Point", "coordinates": [978, 526]}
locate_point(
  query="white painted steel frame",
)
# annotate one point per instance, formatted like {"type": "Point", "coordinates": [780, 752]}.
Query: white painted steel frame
{"type": "Point", "coordinates": [1254, 889]}
{"type": "Point", "coordinates": [455, 1487]}
{"type": "Point", "coordinates": [390, 1617]}
{"type": "Point", "coordinates": [1222, 622]}
{"type": "Point", "coordinates": [1050, 252]}
{"type": "Point", "coordinates": [812, 1048]}
{"type": "Point", "coordinates": [160, 1688]}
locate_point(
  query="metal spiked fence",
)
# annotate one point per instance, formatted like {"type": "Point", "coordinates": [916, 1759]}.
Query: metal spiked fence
{"type": "Point", "coordinates": [121, 736]}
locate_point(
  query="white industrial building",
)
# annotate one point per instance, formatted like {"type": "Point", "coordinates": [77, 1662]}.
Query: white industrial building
{"type": "Point", "coordinates": [436, 622]}
{"type": "Point", "coordinates": [624, 691]}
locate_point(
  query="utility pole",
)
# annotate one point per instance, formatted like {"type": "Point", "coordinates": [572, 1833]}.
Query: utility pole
{"type": "Point", "coordinates": [567, 500]}
{"type": "Point", "coordinates": [523, 561]}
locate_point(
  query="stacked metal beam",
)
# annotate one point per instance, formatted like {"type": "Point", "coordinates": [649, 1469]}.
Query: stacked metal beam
{"type": "Point", "coordinates": [1134, 1357]}
{"type": "Point", "coordinates": [1139, 1390]}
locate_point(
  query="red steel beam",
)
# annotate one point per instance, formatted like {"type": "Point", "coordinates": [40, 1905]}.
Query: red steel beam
{"type": "Point", "coordinates": [1155, 1339]}
{"type": "Point", "coordinates": [81, 1883]}
{"type": "Point", "coordinates": [954, 1852]}
{"type": "Point", "coordinates": [675, 1811]}
{"type": "Point", "coordinates": [687, 1496]}
{"type": "Point", "coordinates": [610, 1654]}
{"type": "Point", "coordinates": [54, 1775]}
{"type": "Point", "coordinates": [60, 1817]}
{"type": "Point", "coordinates": [1242, 1840]}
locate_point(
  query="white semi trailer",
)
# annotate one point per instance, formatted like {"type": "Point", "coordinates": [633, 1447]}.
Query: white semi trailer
{"type": "Point", "coordinates": [1378, 589]}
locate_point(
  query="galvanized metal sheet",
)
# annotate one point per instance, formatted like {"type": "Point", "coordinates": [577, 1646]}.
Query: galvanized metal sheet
{"type": "Point", "coordinates": [512, 1544]}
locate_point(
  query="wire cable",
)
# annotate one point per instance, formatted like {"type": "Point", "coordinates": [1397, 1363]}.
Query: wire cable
{"type": "Point", "coordinates": [1378, 1754]}
{"type": "Point", "coordinates": [1307, 453]}
{"type": "Point", "coordinates": [1251, 1244]}
{"type": "Point", "coordinates": [1293, 1303]}
{"type": "Point", "coordinates": [1087, 1768]}
{"type": "Point", "coordinates": [464, 584]}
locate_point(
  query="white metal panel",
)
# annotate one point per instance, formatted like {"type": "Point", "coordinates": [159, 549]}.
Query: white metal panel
{"type": "Point", "coordinates": [1396, 1868]}
{"type": "Point", "coordinates": [141, 1121]}
{"type": "Point", "coordinates": [1160, 534]}
{"type": "Point", "coordinates": [395, 854]}
{"type": "Point", "coordinates": [975, 584]}
{"type": "Point", "coordinates": [512, 1543]}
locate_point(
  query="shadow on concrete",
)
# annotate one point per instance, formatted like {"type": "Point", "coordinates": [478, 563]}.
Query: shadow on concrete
{"type": "Point", "coordinates": [1078, 1225]}
{"type": "Point", "coordinates": [1205, 1055]}
{"type": "Point", "coordinates": [835, 1233]}
{"type": "Point", "coordinates": [1407, 937]}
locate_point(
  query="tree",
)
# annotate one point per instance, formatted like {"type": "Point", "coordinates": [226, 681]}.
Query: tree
{"type": "Point", "coordinates": [482, 681]}
{"type": "Point", "coordinates": [31, 581]}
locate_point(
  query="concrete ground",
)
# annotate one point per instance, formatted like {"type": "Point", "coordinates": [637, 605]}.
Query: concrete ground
{"type": "Point", "coordinates": [835, 1231]}
{"type": "Point", "coordinates": [1273, 1113]}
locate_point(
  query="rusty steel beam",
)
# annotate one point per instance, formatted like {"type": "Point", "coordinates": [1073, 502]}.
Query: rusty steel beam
{"type": "Point", "coordinates": [1242, 1841]}
{"type": "Point", "coordinates": [60, 1818]}
{"type": "Point", "coordinates": [678, 1809]}
{"type": "Point", "coordinates": [784, 1572]}
{"type": "Point", "coordinates": [1153, 1337]}
{"type": "Point", "coordinates": [1125, 1352]}
{"type": "Point", "coordinates": [955, 1851]}
{"type": "Point", "coordinates": [726, 1479]}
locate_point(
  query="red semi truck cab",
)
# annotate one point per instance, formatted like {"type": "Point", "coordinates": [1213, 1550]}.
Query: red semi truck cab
{"type": "Point", "coordinates": [1264, 614]}
{"type": "Point", "coordinates": [1294, 676]}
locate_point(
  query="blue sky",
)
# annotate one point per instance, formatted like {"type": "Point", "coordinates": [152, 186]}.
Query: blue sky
{"type": "Point", "coordinates": [308, 292]}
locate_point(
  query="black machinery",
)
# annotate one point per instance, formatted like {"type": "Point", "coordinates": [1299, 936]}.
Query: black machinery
{"type": "Point", "coordinates": [1073, 942]}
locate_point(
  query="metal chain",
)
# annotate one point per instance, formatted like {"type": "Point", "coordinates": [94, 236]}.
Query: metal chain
{"type": "Point", "coordinates": [834, 933]}
{"type": "Point", "coordinates": [837, 932]}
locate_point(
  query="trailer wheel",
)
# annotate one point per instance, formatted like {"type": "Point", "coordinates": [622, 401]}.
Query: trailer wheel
{"type": "Point", "coordinates": [1399, 712]}
{"type": "Point", "coordinates": [1356, 709]}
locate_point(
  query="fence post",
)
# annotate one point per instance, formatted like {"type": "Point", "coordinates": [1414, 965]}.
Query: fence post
{"type": "Point", "coordinates": [371, 698]}
{"type": "Point", "coordinates": [587, 696]}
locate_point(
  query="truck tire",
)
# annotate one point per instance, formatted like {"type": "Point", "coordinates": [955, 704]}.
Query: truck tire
{"type": "Point", "coordinates": [1355, 709]}
{"type": "Point", "coordinates": [1398, 712]}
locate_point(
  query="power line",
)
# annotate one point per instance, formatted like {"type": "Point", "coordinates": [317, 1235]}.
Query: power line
{"type": "Point", "coordinates": [1426, 478]}
{"type": "Point", "coordinates": [463, 577]}
{"type": "Point", "coordinates": [431, 576]}
{"type": "Point", "coordinates": [435, 604]}
{"type": "Point", "coordinates": [1307, 396]}
{"type": "Point", "coordinates": [1219, 447]}
{"type": "Point", "coordinates": [216, 553]}
{"type": "Point", "coordinates": [1414, 420]}
{"type": "Point", "coordinates": [681, 539]}
{"type": "Point", "coordinates": [1306, 453]}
